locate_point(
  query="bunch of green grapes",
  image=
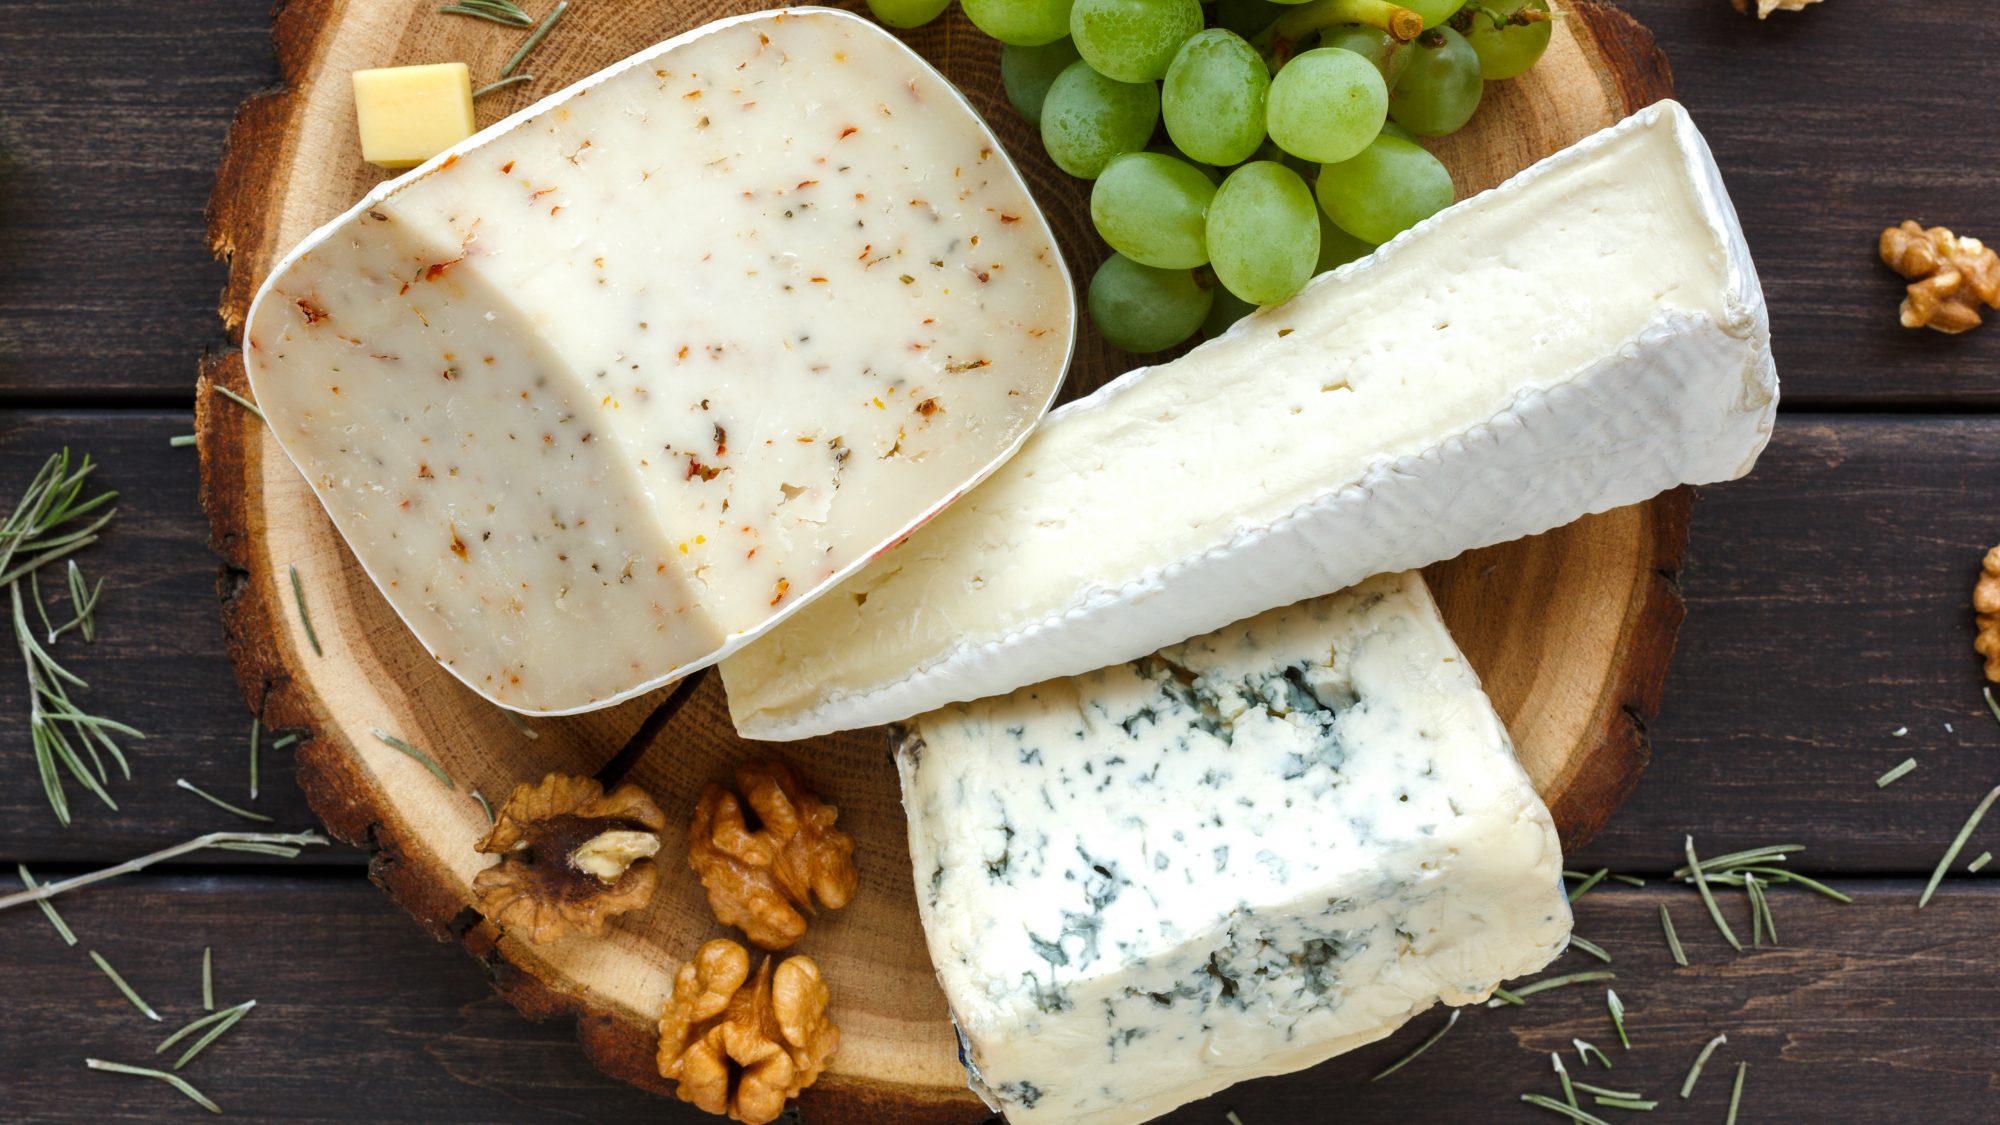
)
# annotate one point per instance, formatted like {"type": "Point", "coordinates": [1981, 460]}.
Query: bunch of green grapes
{"type": "Point", "coordinates": [1291, 133]}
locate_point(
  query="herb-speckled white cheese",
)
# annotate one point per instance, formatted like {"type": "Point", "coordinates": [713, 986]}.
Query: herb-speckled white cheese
{"type": "Point", "coordinates": [1237, 857]}
{"type": "Point", "coordinates": [1580, 338]}
{"type": "Point", "coordinates": [610, 387]}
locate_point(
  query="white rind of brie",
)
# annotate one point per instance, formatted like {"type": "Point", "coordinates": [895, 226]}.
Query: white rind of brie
{"type": "Point", "coordinates": [1584, 336]}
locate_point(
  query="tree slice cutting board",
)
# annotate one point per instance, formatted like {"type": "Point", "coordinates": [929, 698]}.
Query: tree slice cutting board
{"type": "Point", "coordinates": [1572, 631]}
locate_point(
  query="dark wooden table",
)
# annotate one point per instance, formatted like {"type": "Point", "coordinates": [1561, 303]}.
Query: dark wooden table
{"type": "Point", "coordinates": [1827, 600]}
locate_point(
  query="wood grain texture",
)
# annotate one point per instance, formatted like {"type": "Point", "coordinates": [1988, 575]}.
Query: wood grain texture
{"type": "Point", "coordinates": [1576, 694]}
{"type": "Point", "coordinates": [1886, 1013]}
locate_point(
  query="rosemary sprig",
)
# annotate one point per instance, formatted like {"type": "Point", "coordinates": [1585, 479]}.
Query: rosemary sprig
{"type": "Point", "coordinates": [1601, 1092]}
{"type": "Point", "coordinates": [219, 803]}
{"type": "Point", "coordinates": [1708, 897]}
{"type": "Point", "coordinates": [1590, 947]}
{"type": "Point", "coordinates": [498, 11]}
{"type": "Point", "coordinates": [1958, 843]}
{"type": "Point", "coordinates": [130, 993]}
{"type": "Point", "coordinates": [62, 928]}
{"type": "Point", "coordinates": [83, 601]}
{"type": "Point", "coordinates": [57, 725]}
{"type": "Point", "coordinates": [52, 501]}
{"type": "Point", "coordinates": [210, 840]}
{"type": "Point", "coordinates": [305, 618]}
{"type": "Point", "coordinates": [1577, 1115]}
{"type": "Point", "coordinates": [207, 979]}
{"type": "Point", "coordinates": [1701, 1060]}
{"type": "Point", "coordinates": [1736, 1092]}
{"type": "Point", "coordinates": [502, 84]}
{"type": "Point", "coordinates": [1546, 983]}
{"type": "Point", "coordinates": [424, 759]}
{"type": "Point", "coordinates": [1420, 1048]}
{"type": "Point", "coordinates": [1617, 1009]}
{"type": "Point", "coordinates": [1984, 859]}
{"type": "Point", "coordinates": [239, 400]}
{"type": "Point", "coordinates": [483, 805]}
{"type": "Point", "coordinates": [174, 1080]}
{"type": "Point", "coordinates": [1897, 773]}
{"type": "Point", "coordinates": [230, 1018]}
{"type": "Point", "coordinates": [1673, 939]}
{"type": "Point", "coordinates": [535, 38]}
{"type": "Point", "coordinates": [1585, 1049]}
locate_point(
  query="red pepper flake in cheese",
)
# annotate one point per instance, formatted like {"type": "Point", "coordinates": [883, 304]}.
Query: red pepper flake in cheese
{"type": "Point", "coordinates": [437, 269]}
{"type": "Point", "coordinates": [448, 162]}
{"type": "Point", "coordinates": [537, 195]}
{"type": "Point", "coordinates": [423, 473]}
{"type": "Point", "coordinates": [458, 545]}
{"type": "Point", "coordinates": [928, 407]}
{"type": "Point", "coordinates": [783, 585]}
{"type": "Point", "coordinates": [683, 353]}
{"type": "Point", "coordinates": [846, 133]}
{"type": "Point", "coordinates": [507, 168]}
{"type": "Point", "coordinates": [803, 184]}
{"type": "Point", "coordinates": [691, 95]}
{"type": "Point", "coordinates": [313, 313]}
{"type": "Point", "coordinates": [697, 469]}
{"type": "Point", "coordinates": [1006, 218]}
{"type": "Point", "coordinates": [404, 289]}
{"type": "Point", "coordinates": [819, 281]}
{"type": "Point", "coordinates": [721, 440]}
{"type": "Point", "coordinates": [866, 249]}
{"type": "Point", "coordinates": [969, 365]}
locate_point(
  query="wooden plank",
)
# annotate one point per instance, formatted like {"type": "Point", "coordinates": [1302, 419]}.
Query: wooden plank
{"type": "Point", "coordinates": [1827, 608]}
{"type": "Point", "coordinates": [360, 1018]}
{"type": "Point", "coordinates": [1826, 133]}
{"type": "Point", "coordinates": [110, 127]}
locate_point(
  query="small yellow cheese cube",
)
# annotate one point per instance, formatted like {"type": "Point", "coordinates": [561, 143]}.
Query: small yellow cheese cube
{"type": "Point", "coordinates": [409, 114]}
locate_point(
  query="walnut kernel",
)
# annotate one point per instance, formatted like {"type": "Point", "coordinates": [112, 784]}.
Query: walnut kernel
{"type": "Point", "coordinates": [1986, 611]}
{"type": "Point", "coordinates": [770, 1039]}
{"type": "Point", "coordinates": [1950, 277]}
{"type": "Point", "coordinates": [571, 857]}
{"type": "Point", "coordinates": [762, 880]}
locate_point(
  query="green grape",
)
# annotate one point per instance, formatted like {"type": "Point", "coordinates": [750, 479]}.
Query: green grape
{"type": "Point", "coordinates": [1434, 12]}
{"type": "Point", "coordinates": [1440, 89]}
{"type": "Point", "coordinates": [907, 13]}
{"type": "Point", "coordinates": [1386, 190]}
{"type": "Point", "coordinates": [1087, 119]}
{"type": "Point", "coordinates": [1391, 129]}
{"type": "Point", "coordinates": [1245, 17]}
{"type": "Point", "coordinates": [1227, 310]}
{"type": "Point", "coordinates": [1133, 40]}
{"type": "Point", "coordinates": [1337, 247]}
{"type": "Point", "coordinates": [1213, 99]}
{"type": "Point", "coordinates": [1153, 209]}
{"type": "Point", "coordinates": [1326, 104]}
{"type": "Point", "coordinates": [1389, 54]}
{"type": "Point", "coordinates": [1027, 73]}
{"type": "Point", "coordinates": [1506, 46]}
{"type": "Point", "coordinates": [1024, 23]}
{"type": "Point", "coordinates": [1213, 173]}
{"type": "Point", "coordinates": [1263, 238]}
{"type": "Point", "coordinates": [1142, 309]}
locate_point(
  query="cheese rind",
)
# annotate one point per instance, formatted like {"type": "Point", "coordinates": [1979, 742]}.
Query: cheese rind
{"type": "Point", "coordinates": [1580, 338]}
{"type": "Point", "coordinates": [606, 390]}
{"type": "Point", "coordinates": [1237, 857]}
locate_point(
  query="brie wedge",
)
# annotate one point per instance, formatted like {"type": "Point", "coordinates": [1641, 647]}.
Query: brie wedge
{"type": "Point", "coordinates": [1236, 857]}
{"type": "Point", "coordinates": [1582, 337]}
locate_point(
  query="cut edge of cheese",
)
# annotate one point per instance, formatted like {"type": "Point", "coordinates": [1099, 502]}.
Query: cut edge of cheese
{"type": "Point", "coordinates": [1312, 550]}
{"type": "Point", "coordinates": [406, 179]}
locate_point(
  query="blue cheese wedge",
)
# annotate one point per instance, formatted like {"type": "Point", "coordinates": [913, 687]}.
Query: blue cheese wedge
{"type": "Point", "coordinates": [1236, 857]}
{"type": "Point", "coordinates": [612, 386]}
{"type": "Point", "coordinates": [1582, 337]}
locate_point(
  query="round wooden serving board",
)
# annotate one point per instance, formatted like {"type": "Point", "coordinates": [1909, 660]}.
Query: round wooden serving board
{"type": "Point", "coordinates": [1572, 631]}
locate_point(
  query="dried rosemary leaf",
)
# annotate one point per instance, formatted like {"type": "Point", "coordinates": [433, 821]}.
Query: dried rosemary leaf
{"type": "Point", "coordinates": [1736, 1093]}
{"type": "Point", "coordinates": [1673, 939]}
{"type": "Point", "coordinates": [1984, 859]}
{"type": "Point", "coordinates": [1543, 1101]}
{"type": "Point", "coordinates": [1701, 1060]}
{"type": "Point", "coordinates": [497, 11]}
{"type": "Point", "coordinates": [1589, 881]}
{"type": "Point", "coordinates": [534, 40]}
{"type": "Point", "coordinates": [210, 840]}
{"type": "Point", "coordinates": [127, 989]}
{"type": "Point", "coordinates": [1524, 991]}
{"type": "Point", "coordinates": [1419, 1049]}
{"type": "Point", "coordinates": [1771, 853]}
{"type": "Point", "coordinates": [1585, 1049]}
{"type": "Point", "coordinates": [219, 803]}
{"type": "Point", "coordinates": [1708, 897]}
{"type": "Point", "coordinates": [1617, 1009]}
{"type": "Point", "coordinates": [197, 1024]}
{"type": "Point", "coordinates": [483, 805]}
{"type": "Point", "coordinates": [501, 85]}
{"type": "Point", "coordinates": [256, 730]}
{"type": "Point", "coordinates": [1590, 947]}
{"type": "Point", "coordinates": [1957, 843]}
{"type": "Point", "coordinates": [1627, 1103]}
{"type": "Point", "coordinates": [1569, 1091]}
{"type": "Point", "coordinates": [305, 618]}
{"type": "Point", "coordinates": [208, 978]}
{"type": "Point", "coordinates": [426, 760]}
{"type": "Point", "coordinates": [48, 908]}
{"type": "Point", "coordinates": [1601, 1092]}
{"type": "Point", "coordinates": [181, 441]}
{"type": "Point", "coordinates": [174, 1080]}
{"type": "Point", "coordinates": [1502, 996]}
{"type": "Point", "coordinates": [239, 400]}
{"type": "Point", "coordinates": [230, 1019]}
{"type": "Point", "coordinates": [1898, 773]}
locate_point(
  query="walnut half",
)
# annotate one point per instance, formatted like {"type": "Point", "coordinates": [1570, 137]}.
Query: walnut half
{"type": "Point", "coordinates": [1950, 277]}
{"type": "Point", "coordinates": [1986, 612]}
{"type": "Point", "coordinates": [743, 1046]}
{"type": "Point", "coordinates": [571, 858]}
{"type": "Point", "coordinates": [761, 879]}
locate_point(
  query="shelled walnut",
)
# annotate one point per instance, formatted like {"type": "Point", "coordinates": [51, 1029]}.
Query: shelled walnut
{"type": "Point", "coordinates": [1950, 277]}
{"type": "Point", "coordinates": [762, 880]}
{"type": "Point", "coordinates": [744, 1049]}
{"type": "Point", "coordinates": [1986, 612]}
{"type": "Point", "coordinates": [571, 858]}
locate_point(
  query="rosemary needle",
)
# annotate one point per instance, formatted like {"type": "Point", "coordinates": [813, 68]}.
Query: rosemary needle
{"type": "Point", "coordinates": [239, 400]}
{"type": "Point", "coordinates": [426, 760]}
{"type": "Point", "coordinates": [1701, 1060]}
{"type": "Point", "coordinates": [181, 441]}
{"type": "Point", "coordinates": [1543, 985]}
{"type": "Point", "coordinates": [1590, 947]}
{"type": "Point", "coordinates": [174, 1080]}
{"type": "Point", "coordinates": [1708, 897]}
{"type": "Point", "coordinates": [1585, 1049]}
{"type": "Point", "coordinates": [1420, 1049]}
{"type": "Point", "coordinates": [1627, 1103]}
{"type": "Point", "coordinates": [256, 730]}
{"type": "Point", "coordinates": [1773, 853]}
{"type": "Point", "coordinates": [1569, 1091]}
{"type": "Point", "coordinates": [123, 987]}
{"type": "Point", "coordinates": [1673, 939]}
{"type": "Point", "coordinates": [1617, 1008]}
{"type": "Point", "coordinates": [209, 840]}
{"type": "Point", "coordinates": [1502, 996]}
{"type": "Point", "coordinates": [498, 11]}
{"type": "Point", "coordinates": [201, 1022]}
{"type": "Point", "coordinates": [502, 84]}
{"type": "Point", "coordinates": [219, 803]}
{"type": "Point", "coordinates": [1232, 1118]}
{"type": "Point", "coordinates": [231, 1018]}
{"type": "Point", "coordinates": [483, 806]}
{"type": "Point", "coordinates": [521, 725]}
{"type": "Point", "coordinates": [305, 618]}
{"type": "Point", "coordinates": [48, 908]}
{"type": "Point", "coordinates": [284, 742]}
{"type": "Point", "coordinates": [1991, 705]}
{"type": "Point", "coordinates": [1583, 888]}
{"type": "Point", "coordinates": [207, 978]}
{"type": "Point", "coordinates": [535, 38]}
{"type": "Point", "coordinates": [1601, 1092]}
{"type": "Point", "coordinates": [1964, 834]}
{"type": "Point", "coordinates": [1984, 859]}
{"type": "Point", "coordinates": [1577, 1115]}
{"type": "Point", "coordinates": [1736, 1093]}
{"type": "Point", "coordinates": [1896, 774]}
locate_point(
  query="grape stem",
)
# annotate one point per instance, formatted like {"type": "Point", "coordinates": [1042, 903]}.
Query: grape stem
{"type": "Point", "coordinates": [1279, 41]}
